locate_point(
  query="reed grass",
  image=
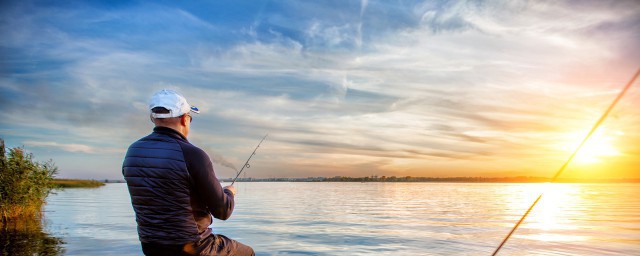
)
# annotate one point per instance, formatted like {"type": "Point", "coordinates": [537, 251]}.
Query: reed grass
{"type": "Point", "coordinates": [24, 183]}
{"type": "Point", "coordinates": [75, 183]}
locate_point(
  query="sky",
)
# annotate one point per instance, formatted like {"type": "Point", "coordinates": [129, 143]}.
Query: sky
{"type": "Point", "coordinates": [343, 88]}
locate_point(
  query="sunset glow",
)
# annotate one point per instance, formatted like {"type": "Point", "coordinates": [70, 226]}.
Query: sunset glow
{"type": "Point", "coordinates": [345, 88]}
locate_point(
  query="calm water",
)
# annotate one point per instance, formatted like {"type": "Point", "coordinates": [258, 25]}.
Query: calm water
{"type": "Point", "coordinates": [379, 219]}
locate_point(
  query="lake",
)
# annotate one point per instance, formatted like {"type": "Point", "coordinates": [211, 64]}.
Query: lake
{"type": "Point", "coordinates": [328, 218]}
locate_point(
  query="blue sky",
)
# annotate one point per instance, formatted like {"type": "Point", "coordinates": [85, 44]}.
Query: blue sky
{"type": "Point", "coordinates": [353, 88]}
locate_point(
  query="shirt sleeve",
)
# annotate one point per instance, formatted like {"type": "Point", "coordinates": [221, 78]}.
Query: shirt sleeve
{"type": "Point", "coordinates": [219, 201]}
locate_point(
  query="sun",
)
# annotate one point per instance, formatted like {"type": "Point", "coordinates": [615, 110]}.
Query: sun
{"type": "Point", "coordinates": [600, 146]}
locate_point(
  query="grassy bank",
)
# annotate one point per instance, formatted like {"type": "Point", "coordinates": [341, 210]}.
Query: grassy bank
{"type": "Point", "coordinates": [73, 183]}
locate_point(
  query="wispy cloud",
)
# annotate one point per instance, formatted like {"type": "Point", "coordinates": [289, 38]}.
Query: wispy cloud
{"type": "Point", "coordinates": [422, 88]}
{"type": "Point", "coordinates": [74, 148]}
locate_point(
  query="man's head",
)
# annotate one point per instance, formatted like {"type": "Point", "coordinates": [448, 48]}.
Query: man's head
{"type": "Point", "coordinates": [170, 109]}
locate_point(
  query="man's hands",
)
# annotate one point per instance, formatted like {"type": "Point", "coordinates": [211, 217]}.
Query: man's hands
{"type": "Point", "coordinates": [231, 188]}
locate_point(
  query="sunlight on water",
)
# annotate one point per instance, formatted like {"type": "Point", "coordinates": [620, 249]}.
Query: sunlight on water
{"type": "Point", "coordinates": [380, 219]}
{"type": "Point", "coordinates": [547, 216]}
{"type": "Point", "coordinates": [581, 219]}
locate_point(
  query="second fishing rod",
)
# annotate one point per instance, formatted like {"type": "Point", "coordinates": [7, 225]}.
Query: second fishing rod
{"type": "Point", "coordinates": [564, 166]}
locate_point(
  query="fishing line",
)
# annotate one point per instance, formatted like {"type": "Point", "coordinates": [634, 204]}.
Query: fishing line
{"type": "Point", "coordinates": [246, 164]}
{"type": "Point", "coordinates": [593, 129]}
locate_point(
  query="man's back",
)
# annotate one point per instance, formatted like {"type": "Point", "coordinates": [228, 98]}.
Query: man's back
{"type": "Point", "coordinates": [158, 181]}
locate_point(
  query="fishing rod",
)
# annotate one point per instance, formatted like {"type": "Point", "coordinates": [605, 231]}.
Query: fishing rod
{"type": "Point", "coordinates": [246, 164]}
{"type": "Point", "coordinates": [555, 177]}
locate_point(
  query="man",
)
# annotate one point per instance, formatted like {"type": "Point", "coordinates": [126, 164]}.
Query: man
{"type": "Point", "coordinates": [174, 190]}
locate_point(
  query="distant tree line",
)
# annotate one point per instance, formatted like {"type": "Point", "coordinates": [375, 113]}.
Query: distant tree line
{"type": "Point", "coordinates": [435, 179]}
{"type": "Point", "coordinates": [375, 178]}
{"type": "Point", "coordinates": [518, 179]}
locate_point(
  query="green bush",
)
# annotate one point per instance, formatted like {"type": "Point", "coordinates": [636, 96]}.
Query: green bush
{"type": "Point", "coordinates": [24, 184]}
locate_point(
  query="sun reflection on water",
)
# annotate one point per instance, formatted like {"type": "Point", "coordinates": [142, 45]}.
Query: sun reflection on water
{"type": "Point", "coordinates": [554, 217]}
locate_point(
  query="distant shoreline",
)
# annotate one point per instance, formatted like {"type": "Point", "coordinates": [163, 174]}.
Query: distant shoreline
{"type": "Point", "coordinates": [76, 183]}
{"type": "Point", "coordinates": [519, 179]}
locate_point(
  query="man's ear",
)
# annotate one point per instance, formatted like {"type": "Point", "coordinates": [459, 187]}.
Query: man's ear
{"type": "Point", "coordinates": [183, 120]}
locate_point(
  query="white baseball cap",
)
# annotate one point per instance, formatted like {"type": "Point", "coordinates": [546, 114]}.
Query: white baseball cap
{"type": "Point", "coordinates": [173, 101]}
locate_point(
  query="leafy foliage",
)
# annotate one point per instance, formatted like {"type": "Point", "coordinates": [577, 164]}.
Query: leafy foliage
{"type": "Point", "coordinates": [24, 183]}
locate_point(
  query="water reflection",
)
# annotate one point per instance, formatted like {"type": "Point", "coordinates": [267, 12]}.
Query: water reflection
{"type": "Point", "coordinates": [378, 219]}
{"type": "Point", "coordinates": [25, 236]}
{"type": "Point", "coordinates": [555, 213]}
{"type": "Point", "coordinates": [576, 219]}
